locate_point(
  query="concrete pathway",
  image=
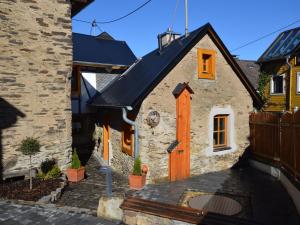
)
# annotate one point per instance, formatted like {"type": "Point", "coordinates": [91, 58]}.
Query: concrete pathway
{"type": "Point", "coordinates": [263, 197]}
{"type": "Point", "coordinates": [18, 214]}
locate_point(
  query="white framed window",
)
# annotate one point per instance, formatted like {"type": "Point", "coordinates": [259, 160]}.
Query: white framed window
{"type": "Point", "coordinates": [277, 84]}
{"type": "Point", "coordinates": [298, 83]}
{"type": "Point", "coordinates": [221, 131]}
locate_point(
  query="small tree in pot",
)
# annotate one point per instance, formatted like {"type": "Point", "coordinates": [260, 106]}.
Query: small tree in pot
{"type": "Point", "coordinates": [137, 179]}
{"type": "Point", "coordinates": [30, 146]}
{"type": "Point", "coordinates": [76, 172]}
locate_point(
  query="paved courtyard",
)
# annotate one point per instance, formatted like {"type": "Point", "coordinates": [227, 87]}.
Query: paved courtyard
{"type": "Point", "coordinates": [17, 214]}
{"type": "Point", "coordinates": [263, 197]}
{"type": "Point", "coordinates": [86, 194]}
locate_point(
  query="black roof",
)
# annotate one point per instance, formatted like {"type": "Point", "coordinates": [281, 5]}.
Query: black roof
{"type": "Point", "coordinates": [251, 70]}
{"type": "Point", "coordinates": [139, 80]}
{"type": "Point", "coordinates": [97, 50]}
{"type": "Point", "coordinates": [285, 44]}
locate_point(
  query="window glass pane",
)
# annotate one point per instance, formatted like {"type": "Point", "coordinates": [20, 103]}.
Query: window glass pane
{"type": "Point", "coordinates": [277, 84]}
{"type": "Point", "coordinates": [206, 61]}
{"type": "Point", "coordinates": [215, 123]}
{"type": "Point", "coordinates": [298, 82]}
{"type": "Point", "coordinates": [215, 138]}
{"type": "Point", "coordinates": [222, 123]}
{"type": "Point", "coordinates": [222, 138]}
{"type": "Point", "coordinates": [298, 60]}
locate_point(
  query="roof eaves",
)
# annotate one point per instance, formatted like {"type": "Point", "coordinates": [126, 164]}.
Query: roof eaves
{"type": "Point", "coordinates": [84, 63]}
{"type": "Point", "coordinates": [78, 5]}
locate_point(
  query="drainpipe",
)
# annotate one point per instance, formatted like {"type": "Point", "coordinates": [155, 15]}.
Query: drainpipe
{"type": "Point", "coordinates": [290, 80]}
{"type": "Point", "coordinates": [136, 131]}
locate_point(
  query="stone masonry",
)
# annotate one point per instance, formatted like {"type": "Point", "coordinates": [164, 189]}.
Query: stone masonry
{"type": "Point", "coordinates": [225, 92]}
{"type": "Point", "coordinates": [35, 70]}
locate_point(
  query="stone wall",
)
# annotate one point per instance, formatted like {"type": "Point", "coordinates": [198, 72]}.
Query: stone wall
{"type": "Point", "coordinates": [35, 66]}
{"type": "Point", "coordinates": [224, 94]}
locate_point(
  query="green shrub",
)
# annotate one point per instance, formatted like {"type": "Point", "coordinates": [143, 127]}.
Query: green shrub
{"type": "Point", "coordinates": [76, 164]}
{"type": "Point", "coordinates": [41, 176]}
{"type": "Point", "coordinates": [47, 165]}
{"type": "Point", "coordinates": [137, 170]}
{"type": "Point", "coordinates": [29, 146]}
{"type": "Point", "coordinates": [55, 172]}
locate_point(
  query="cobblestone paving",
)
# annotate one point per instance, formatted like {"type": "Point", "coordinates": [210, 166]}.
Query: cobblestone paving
{"type": "Point", "coordinates": [269, 202]}
{"type": "Point", "coordinates": [86, 194]}
{"type": "Point", "coordinates": [17, 214]}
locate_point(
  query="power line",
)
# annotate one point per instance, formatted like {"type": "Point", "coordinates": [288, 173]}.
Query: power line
{"type": "Point", "coordinates": [174, 15]}
{"type": "Point", "coordinates": [83, 21]}
{"type": "Point", "coordinates": [267, 35]}
{"type": "Point", "coordinates": [128, 14]}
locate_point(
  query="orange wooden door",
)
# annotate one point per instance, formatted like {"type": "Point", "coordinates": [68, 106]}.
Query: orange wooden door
{"type": "Point", "coordinates": [106, 138]}
{"type": "Point", "coordinates": [179, 159]}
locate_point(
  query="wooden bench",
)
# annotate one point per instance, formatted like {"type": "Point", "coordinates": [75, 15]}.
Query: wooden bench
{"type": "Point", "coordinates": [180, 213]}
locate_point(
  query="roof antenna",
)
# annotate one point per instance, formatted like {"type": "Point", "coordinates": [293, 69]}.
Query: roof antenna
{"type": "Point", "coordinates": [186, 18]}
{"type": "Point", "coordinates": [93, 28]}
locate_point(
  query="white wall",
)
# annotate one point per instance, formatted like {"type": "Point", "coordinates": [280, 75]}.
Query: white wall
{"type": "Point", "coordinates": [90, 81]}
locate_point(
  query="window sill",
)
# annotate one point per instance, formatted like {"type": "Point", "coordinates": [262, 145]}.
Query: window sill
{"type": "Point", "coordinates": [277, 94]}
{"type": "Point", "coordinates": [207, 76]}
{"type": "Point", "coordinates": [219, 149]}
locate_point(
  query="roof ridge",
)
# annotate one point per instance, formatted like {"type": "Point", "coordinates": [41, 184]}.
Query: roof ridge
{"type": "Point", "coordinates": [114, 40]}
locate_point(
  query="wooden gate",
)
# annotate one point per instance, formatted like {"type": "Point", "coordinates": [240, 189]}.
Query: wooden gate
{"type": "Point", "coordinates": [179, 159]}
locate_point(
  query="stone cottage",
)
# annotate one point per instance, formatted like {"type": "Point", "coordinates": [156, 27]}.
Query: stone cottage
{"type": "Point", "coordinates": [183, 108]}
{"type": "Point", "coordinates": [35, 84]}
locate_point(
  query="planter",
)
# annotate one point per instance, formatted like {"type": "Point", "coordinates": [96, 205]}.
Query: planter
{"type": "Point", "coordinates": [137, 182]}
{"type": "Point", "coordinates": [75, 175]}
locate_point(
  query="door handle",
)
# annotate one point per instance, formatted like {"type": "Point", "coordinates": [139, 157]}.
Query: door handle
{"type": "Point", "coordinates": [180, 151]}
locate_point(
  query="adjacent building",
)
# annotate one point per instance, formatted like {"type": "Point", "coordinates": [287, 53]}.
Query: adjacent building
{"type": "Point", "coordinates": [281, 61]}
{"type": "Point", "coordinates": [35, 80]}
{"type": "Point", "coordinates": [97, 62]}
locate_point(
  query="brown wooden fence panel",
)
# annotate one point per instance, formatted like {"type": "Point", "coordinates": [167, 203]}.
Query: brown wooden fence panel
{"type": "Point", "coordinates": [287, 145]}
{"type": "Point", "coordinates": [276, 139]}
{"type": "Point", "coordinates": [264, 133]}
{"type": "Point", "coordinates": [297, 143]}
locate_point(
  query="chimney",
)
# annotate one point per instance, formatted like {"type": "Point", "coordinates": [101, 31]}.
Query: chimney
{"type": "Point", "coordinates": [166, 38]}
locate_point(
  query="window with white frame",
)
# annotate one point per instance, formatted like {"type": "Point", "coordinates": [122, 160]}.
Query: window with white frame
{"type": "Point", "coordinates": [298, 82]}
{"type": "Point", "coordinates": [277, 84]}
{"type": "Point", "coordinates": [221, 131]}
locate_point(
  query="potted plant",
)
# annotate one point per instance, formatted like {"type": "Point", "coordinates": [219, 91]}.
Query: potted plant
{"type": "Point", "coordinates": [30, 146]}
{"type": "Point", "coordinates": [76, 172]}
{"type": "Point", "coordinates": [137, 179]}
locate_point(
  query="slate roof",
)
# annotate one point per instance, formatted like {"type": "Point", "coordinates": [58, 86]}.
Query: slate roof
{"type": "Point", "coordinates": [286, 43]}
{"type": "Point", "coordinates": [94, 50]}
{"type": "Point", "coordinates": [251, 70]}
{"type": "Point", "coordinates": [140, 79]}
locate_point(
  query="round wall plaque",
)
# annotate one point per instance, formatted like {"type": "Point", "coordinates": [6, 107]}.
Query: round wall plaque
{"type": "Point", "coordinates": [153, 118]}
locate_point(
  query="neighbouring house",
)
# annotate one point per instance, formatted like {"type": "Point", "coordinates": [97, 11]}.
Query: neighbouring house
{"type": "Point", "coordinates": [97, 61]}
{"type": "Point", "coordinates": [35, 84]}
{"type": "Point", "coordinates": [281, 61]}
{"type": "Point", "coordinates": [182, 108]}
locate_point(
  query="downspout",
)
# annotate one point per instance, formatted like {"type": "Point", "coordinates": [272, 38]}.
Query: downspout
{"type": "Point", "coordinates": [290, 80]}
{"type": "Point", "coordinates": [136, 131]}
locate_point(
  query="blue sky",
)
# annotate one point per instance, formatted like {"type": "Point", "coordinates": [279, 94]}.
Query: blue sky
{"type": "Point", "coordinates": [236, 21]}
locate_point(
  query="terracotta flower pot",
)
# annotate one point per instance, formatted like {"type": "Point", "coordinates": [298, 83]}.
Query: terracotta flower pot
{"type": "Point", "coordinates": [75, 175]}
{"type": "Point", "coordinates": [137, 182]}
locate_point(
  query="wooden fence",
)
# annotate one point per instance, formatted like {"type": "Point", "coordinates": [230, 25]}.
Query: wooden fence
{"type": "Point", "coordinates": [275, 138]}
